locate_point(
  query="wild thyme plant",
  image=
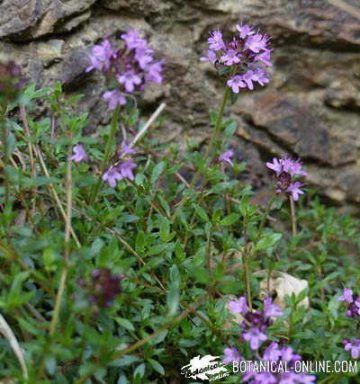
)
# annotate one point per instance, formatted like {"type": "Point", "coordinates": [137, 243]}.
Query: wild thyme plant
{"type": "Point", "coordinates": [118, 267]}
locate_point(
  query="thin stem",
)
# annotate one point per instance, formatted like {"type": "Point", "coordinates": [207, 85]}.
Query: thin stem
{"type": "Point", "coordinates": [247, 274]}
{"type": "Point", "coordinates": [51, 187]}
{"type": "Point", "coordinates": [5, 144]}
{"type": "Point", "coordinates": [107, 155]}
{"type": "Point", "coordinates": [293, 216]}
{"type": "Point", "coordinates": [217, 130]}
{"type": "Point", "coordinates": [210, 151]}
{"type": "Point", "coordinates": [67, 236]}
{"type": "Point", "coordinates": [28, 137]}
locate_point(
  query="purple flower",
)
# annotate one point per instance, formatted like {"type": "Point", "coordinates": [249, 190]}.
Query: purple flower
{"type": "Point", "coordinates": [272, 352]}
{"type": "Point", "coordinates": [265, 378]}
{"type": "Point", "coordinates": [227, 156]}
{"type": "Point", "coordinates": [104, 287]}
{"type": "Point", "coordinates": [347, 296]}
{"type": "Point", "coordinates": [245, 30]}
{"type": "Point", "coordinates": [260, 76]}
{"type": "Point", "coordinates": [112, 176]}
{"type": "Point", "coordinates": [288, 378]}
{"type": "Point", "coordinates": [270, 309]}
{"type": "Point", "coordinates": [353, 346]}
{"type": "Point", "coordinates": [264, 57]}
{"type": "Point", "coordinates": [129, 79]}
{"type": "Point", "coordinates": [248, 55]}
{"type": "Point", "coordinates": [238, 306]}
{"type": "Point", "coordinates": [126, 150]}
{"type": "Point", "coordinates": [352, 302]}
{"type": "Point", "coordinates": [211, 57]}
{"type": "Point", "coordinates": [287, 354]}
{"type": "Point", "coordinates": [79, 154]}
{"type": "Point", "coordinates": [286, 171]}
{"type": "Point", "coordinates": [101, 56]}
{"type": "Point", "coordinates": [133, 39]}
{"type": "Point", "coordinates": [144, 56]}
{"type": "Point", "coordinates": [302, 378]}
{"type": "Point", "coordinates": [154, 72]}
{"type": "Point", "coordinates": [235, 83]}
{"type": "Point", "coordinates": [230, 57]}
{"type": "Point", "coordinates": [215, 41]}
{"type": "Point", "coordinates": [294, 190]}
{"type": "Point", "coordinates": [126, 169]}
{"type": "Point", "coordinates": [256, 43]}
{"type": "Point", "coordinates": [248, 77]}
{"type": "Point", "coordinates": [275, 166]}
{"type": "Point", "coordinates": [114, 98]}
{"type": "Point", "coordinates": [230, 355]}
{"type": "Point", "coordinates": [255, 338]}
{"type": "Point", "coordinates": [132, 64]}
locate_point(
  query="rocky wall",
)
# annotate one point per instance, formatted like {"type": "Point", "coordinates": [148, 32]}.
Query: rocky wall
{"type": "Point", "coordinates": [310, 109]}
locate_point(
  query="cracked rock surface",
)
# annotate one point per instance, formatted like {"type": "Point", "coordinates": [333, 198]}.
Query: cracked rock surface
{"type": "Point", "coordinates": [309, 110]}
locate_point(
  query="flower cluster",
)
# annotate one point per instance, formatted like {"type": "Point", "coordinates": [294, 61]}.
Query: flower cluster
{"type": "Point", "coordinates": [255, 323]}
{"type": "Point", "coordinates": [244, 59]}
{"type": "Point", "coordinates": [281, 362]}
{"type": "Point", "coordinates": [352, 346]}
{"type": "Point", "coordinates": [279, 358]}
{"type": "Point", "coordinates": [104, 287]}
{"type": "Point", "coordinates": [353, 303]}
{"type": "Point", "coordinates": [123, 169]}
{"type": "Point", "coordinates": [286, 172]}
{"type": "Point", "coordinates": [132, 65]}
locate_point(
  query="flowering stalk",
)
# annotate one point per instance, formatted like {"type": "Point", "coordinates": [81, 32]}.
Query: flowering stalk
{"type": "Point", "coordinates": [242, 62]}
{"type": "Point", "coordinates": [286, 173]}
{"type": "Point", "coordinates": [107, 154]}
{"type": "Point", "coordinates": [211, 150]}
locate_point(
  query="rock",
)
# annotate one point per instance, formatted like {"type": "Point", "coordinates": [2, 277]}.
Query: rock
{"type": "Point", "coordinates": [292, 122]}
{"type": "Point", "coordinates": [138, 7]}
{"type": "Point", "coordinates": [309, 109]}
{"type": "Point", "coordinates": [17, 16]}
{"type": "Point", "coordinates": [283, 285]}
{"type": "Point", "coordinates": [50, 52]}
{"type": "Point", "coordinates": [58, 12]}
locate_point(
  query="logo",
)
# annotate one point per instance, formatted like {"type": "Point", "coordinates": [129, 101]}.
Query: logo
{"type": "Point", "coordinates": [205, 368]}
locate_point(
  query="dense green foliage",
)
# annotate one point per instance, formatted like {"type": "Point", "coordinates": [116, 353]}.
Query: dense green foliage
{"type": "Point", "coordinates": [179, 248]}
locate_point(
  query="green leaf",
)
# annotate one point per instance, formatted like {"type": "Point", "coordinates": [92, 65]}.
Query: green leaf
{"type": "Point", "coordinates": [230, 220]}
{"type": "Point", "coordinates": [157, 367]}
{"type": "Point", "coordinates": [140, 371]}
{"type": "Point", "coordinates": [268, 240]}
{"type": "Point", "coordinates": [157, 171]}
{"type": "Point", "coordinates": [200, 212]}
{"type": "Point", "coordinates": [125, 323]}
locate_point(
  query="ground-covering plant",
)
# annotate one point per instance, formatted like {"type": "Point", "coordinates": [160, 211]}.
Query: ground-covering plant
{"type": "Point", "coordinates": [122, 258]}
